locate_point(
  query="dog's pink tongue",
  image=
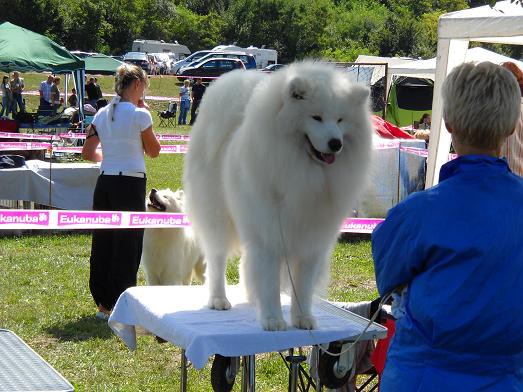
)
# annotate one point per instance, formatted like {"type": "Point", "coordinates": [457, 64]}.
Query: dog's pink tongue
{"type": "Point", "coordinates": [328, 158]}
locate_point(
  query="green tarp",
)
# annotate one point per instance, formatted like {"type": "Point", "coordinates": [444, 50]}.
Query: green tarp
{"type": "Point", "coordinates": [101, 64]}
{"type": "Point", "coordinates": [25, 51]}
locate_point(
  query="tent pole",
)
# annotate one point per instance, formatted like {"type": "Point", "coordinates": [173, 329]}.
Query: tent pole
{"type": "Point", "coordinates": [451, 52]}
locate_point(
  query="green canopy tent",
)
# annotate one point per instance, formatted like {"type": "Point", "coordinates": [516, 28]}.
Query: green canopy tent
{"type": "Point", "coordinates": [101, 64]}
{"type": "Point", "coordinates": [26, 51]}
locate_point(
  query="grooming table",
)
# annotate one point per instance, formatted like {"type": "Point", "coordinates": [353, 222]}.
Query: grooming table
{"type": "Point", "coordinates": [179, 315]}
{"type": "Point", "coordinates": [21, 369]}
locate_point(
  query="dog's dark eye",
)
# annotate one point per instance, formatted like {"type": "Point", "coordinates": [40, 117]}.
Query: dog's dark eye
{"type": "Point", "coordinates": [340, 120]}
{"type": "Point", "coordinates": [317, 118]}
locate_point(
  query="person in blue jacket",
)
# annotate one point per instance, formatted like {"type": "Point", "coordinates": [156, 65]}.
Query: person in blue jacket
{"type": "Point", "coordinates": [455, 251]}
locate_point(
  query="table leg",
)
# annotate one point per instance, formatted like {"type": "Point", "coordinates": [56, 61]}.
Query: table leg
{"type": "Point", "coordinates": [248, 374]}
{"type": "Point", "coordinates": [183, 369]}
{"type": "Point", "coordinates": [294, 369]}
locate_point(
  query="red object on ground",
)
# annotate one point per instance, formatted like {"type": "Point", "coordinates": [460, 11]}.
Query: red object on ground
{"type": "Point", "coordinates": [379, 354]}
{"type": "Point", "coordinates": [7, 125]}
{"type": "Point", "coordinates": [387, 130]}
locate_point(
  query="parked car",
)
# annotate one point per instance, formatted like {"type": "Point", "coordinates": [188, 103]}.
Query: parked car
{"type": "Point", "coordinates": [248, 59]}
{"type": "Point", "coordinates": [138, 58]}
{"type": "Point", "coordinates": [273, 67]}
{"type": "Point", "coordinates": [188, 60]}
{"type": "Point", "coordinates": [163, 61]}
{"type": "Point", "coordinates": [211, 68]}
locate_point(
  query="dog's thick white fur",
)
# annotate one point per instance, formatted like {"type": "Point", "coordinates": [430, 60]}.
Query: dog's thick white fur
{"type": "Point", "coordinates": [274, 165]}
{"type": "Point", "coordinates": [170, 256]}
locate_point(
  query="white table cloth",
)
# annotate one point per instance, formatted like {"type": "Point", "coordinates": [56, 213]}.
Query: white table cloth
{"type": "Point", "coordinates": [179, 315]}
{"type": "Point", "coordinates": [72, 184]}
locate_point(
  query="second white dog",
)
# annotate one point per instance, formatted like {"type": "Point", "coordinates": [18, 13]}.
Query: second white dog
{"type": "Point", "coordinates": [170, 256]}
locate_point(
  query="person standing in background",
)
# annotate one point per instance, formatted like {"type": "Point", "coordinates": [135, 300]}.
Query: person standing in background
{"type": "Point", "coordinates": [17, 87]}
{"type": "Point", "coordinates": [92, 92]}
{"type": "Point", "coordinates": [124, 128]}
{"type": "Point", "coordinates": [7, 97]}
{"type": "Point", "coordinates": [45, 93]}
{"type": "Point", "coordinates": [73, 98]}
{"type": "Point", "coordinates": [512, 149]}
{"type": "Point", "coordinates": [197, 92]}
{"type": "Point", "coordinates": [55, 94]}
{"type": "Point", "coordinates": [185, 102]}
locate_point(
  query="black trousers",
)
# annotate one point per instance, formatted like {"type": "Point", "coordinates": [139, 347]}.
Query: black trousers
{"type": "Point", "coordinates": [194, 107]}
{"type": "Point", "coordinates": [115, 254]}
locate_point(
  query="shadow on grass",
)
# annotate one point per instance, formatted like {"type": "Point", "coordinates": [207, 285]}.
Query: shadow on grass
{"type": "Point", "coordinates": [86, 328]}
{"type": "Point", "coordinates": [354, 238]}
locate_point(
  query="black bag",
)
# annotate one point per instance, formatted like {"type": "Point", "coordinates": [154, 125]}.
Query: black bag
{"type": "Point", "coordinates": [11, 161]}
{"type": "Point", "coordinates": [25, 118]}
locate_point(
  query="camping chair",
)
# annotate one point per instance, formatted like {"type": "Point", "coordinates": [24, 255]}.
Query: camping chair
{"type": "Point", "coordinates": [168, 117]}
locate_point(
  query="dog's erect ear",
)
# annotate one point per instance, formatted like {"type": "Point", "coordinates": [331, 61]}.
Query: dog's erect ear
{"type": "Point", "coordinates": [359, 94]}
{"type": "Point", "coordinates": [298, 88]}
{"type": "Point", "coordinates": [179, 195]}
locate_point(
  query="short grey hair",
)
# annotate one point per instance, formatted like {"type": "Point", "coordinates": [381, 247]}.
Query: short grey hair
{"type": "Point", "coordinates": [481, 103]}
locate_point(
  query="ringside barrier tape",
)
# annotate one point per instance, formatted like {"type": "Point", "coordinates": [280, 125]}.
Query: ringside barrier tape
{"type": "Point", "coordinates": [8, 146]}
{"type": "Point", "coordinates": [26, 146]}
{"type": "Point", "coordinates": [27, 136]}
{"type": "Point", "coordinates": [76, 220]}
{"type": "Point", "coordinates": [36, 136]}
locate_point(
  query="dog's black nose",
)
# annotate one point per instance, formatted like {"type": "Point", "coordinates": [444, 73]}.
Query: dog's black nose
{"type": "Point", "coordinates": [153, 191]}
{"type": "Point", "coordinates": [335, 145]}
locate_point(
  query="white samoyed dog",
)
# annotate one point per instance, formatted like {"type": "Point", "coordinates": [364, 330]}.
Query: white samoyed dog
{"type": "Point", "coordinates": [170, 256]}
{"type": "Point", "coordinates": [274, 165]}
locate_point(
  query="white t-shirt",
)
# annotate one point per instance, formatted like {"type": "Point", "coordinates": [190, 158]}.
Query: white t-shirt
{"type": "Point", "coordinates": [122, 145]}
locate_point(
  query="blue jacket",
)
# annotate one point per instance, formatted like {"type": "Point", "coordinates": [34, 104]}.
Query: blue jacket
{"type": "Point", "coordinates": [459, 247]}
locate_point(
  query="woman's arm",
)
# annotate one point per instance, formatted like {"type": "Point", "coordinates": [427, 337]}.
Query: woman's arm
{"type": "Point", "coordinates": [151, 145]}
{"type": "Point", "coordinates": [89, 150]}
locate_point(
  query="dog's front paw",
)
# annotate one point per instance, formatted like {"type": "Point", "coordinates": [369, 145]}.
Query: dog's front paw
{"type": "Point", "coordinates": [219, 303]}
{"type": "Point", "coordinates": [273, 324]}
{"type": "Point", "coordinates": [304, 322]}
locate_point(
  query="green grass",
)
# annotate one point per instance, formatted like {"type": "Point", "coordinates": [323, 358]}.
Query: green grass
{"type": "Point", "coordinates": [45, 299]}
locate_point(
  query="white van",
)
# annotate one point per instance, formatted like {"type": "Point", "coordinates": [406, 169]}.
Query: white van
{"type": "Point", "coordinates": [153, 46]}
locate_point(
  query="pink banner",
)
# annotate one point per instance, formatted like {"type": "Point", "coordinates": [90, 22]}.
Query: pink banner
{"type": "Point", "coordinates": [360, 225]}
{"type": "Point", "coordinates": [71, 220]}
{"type": "Point", "coordinates": [176, 138]}
{"type": "Point", "coordinates": [94, 219]}
{"type": "Point", "coordinates": [29, 219]}
{"type": "Point", "coordinates": [6, 146]}
{"type": "Point", "coordinates": [152, 219]}
{"type": "Point", "coordinates": [421, 152]}
{"type": "Point", "coordinates": [27, 136]}
{"type": "Point", "coordinates": [174, 149]}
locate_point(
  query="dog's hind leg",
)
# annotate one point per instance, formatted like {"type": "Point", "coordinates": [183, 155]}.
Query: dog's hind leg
{"type": "Point", "coordinates": [262, 274]}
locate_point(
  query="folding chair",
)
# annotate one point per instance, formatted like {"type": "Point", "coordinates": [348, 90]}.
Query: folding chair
{"type": "Point", "coordinates": [168, 117]}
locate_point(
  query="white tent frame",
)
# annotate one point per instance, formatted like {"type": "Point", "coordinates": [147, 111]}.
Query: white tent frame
{"type": "Point", "coordinates": [502, 23]}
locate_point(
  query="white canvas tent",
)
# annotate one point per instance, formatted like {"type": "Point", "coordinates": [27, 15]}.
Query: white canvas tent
{"type": "Point", "coordinates": [502, 23]}
{"type": "Point", "coordinates": [427, 68]}
{"type": "Point", "coordinates": [390, 61]}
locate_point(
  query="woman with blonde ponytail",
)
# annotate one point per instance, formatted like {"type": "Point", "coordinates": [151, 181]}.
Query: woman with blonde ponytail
{"type": "Point", "coordinates": [124, 130]}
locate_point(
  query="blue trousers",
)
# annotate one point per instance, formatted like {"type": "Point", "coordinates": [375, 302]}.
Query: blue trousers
{"type": "Point", "coordinates": [17, 100]}
{"type": "Point", "coordinates": [184, 110]}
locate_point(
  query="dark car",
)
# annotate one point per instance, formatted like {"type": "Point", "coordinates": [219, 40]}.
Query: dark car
{"type": "Point", "coordinates": [248, 59]}
{"type": "Point", "coordinates": [273, 67]}
{"type": "Point", "coordinates": [138, 58]}
{"type": "Point", "coordinates": [211, 68]}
